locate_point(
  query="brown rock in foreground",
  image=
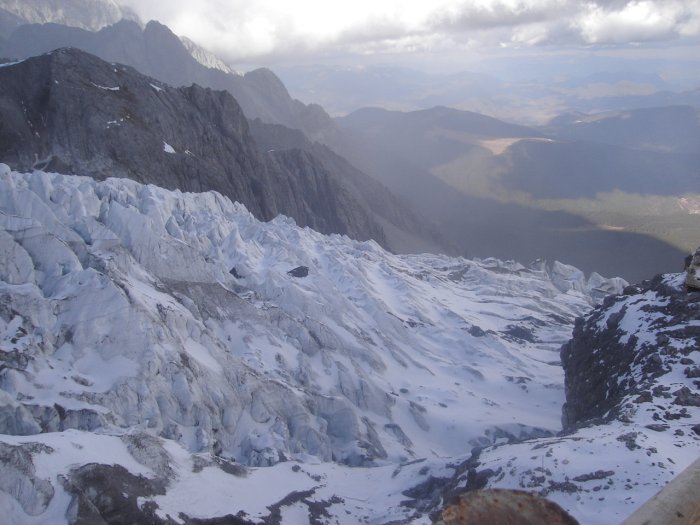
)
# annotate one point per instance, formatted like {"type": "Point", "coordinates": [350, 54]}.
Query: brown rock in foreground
{"type": "Point", "coordinates": [504, 507]}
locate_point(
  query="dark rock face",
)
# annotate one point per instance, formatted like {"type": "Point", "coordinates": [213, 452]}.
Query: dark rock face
{"type": "Point", "coordinates": [71, 112]}
{"type": "Point", "coordinates": [299, 271]}
{"type": "Point", "coordinates": [620, 351]}
{"type": "Point", "coordinates": [109, 494]}
{"type": "Point", "coordinates": [430, 495]}
{"type": "Point", "coordinates": [325, 206]}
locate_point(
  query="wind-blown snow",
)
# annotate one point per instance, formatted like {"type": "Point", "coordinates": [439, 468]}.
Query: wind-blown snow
{"type": "Point", "coordinates": [121, 308]}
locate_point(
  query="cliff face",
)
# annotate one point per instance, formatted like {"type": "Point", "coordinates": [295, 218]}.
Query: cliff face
{"type": "Point", "coordinates": [635, 352]}
{"type": "Point", "coordinates": [71, 112]}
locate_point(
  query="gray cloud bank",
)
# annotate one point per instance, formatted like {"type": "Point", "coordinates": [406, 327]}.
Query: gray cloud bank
{"type": "Point", "coordinates": [253, 30]}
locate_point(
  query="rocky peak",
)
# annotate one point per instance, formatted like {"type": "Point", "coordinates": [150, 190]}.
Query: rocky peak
{"type": "Point", "coordinates": [69, 111]}
{"type": "Point", "coordinates": [264, 79]}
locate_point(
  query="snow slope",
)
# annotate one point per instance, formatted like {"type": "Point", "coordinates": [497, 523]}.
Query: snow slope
{"type": "Point", "coordinates": [633, 407]}
{"type": "Point", "coordinates": [206, 58]}
{"type": "Point", "coordinates": [132, 314]}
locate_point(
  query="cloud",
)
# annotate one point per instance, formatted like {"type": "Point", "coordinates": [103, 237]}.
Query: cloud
{"type": "Point", "coordinates": [260, 29]}
{"type": "Point", "coordinates": [639, 21]}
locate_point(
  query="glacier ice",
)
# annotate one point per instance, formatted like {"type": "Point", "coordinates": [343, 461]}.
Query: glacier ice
{"type": "Point", "coordinates": [133, 319]}
{"type": "Point", "coordinates": [121, 315]}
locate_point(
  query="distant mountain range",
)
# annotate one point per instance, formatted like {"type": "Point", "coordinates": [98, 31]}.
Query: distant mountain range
{"type": "Point", "coordinates": [670, 129]}
{"type": "Point", "coordinates": [532, 96]}
{"type": "Point", "coordinates": [516, 192]}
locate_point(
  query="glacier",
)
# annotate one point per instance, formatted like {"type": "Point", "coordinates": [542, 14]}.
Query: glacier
{"type": "Point", "coordinates": [163, 332]}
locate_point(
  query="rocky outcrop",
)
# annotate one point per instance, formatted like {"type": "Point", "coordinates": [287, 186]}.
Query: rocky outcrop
{"type": "Point", "coordinates": [498, 507]}
{"type": "Point", "coordinates": [70, 112]}
{"type": "Point", "coordinates": [619, 353]}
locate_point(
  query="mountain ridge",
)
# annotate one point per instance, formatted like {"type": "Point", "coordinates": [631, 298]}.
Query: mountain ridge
{"type": "Point", "coordinates": [83, 114]}
{"type": "Point", "coordinates": [156, 51]}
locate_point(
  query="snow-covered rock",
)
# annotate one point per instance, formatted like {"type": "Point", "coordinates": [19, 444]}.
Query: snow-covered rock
{"type": "Point", "coordinates": [631, 413]}
{"type": "Point", "coordinates": [204, 57]}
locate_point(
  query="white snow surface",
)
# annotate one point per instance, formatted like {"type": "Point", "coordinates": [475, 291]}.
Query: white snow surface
{"type": "Point", "coordinates": [121, 302]}
{"type": "Point", "coordinates": [205, 57]}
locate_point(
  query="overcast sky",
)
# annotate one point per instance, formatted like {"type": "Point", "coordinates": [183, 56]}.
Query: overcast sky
{"type": "Point", "coordinates": [267, 30]}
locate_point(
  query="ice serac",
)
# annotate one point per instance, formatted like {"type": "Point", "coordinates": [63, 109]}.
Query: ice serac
{"type": "Point", "coordinates": [72, 112]}
{"type": "Point", "coordinates": [134, 319]}
{"type": "Point", "coordinates": [160, 347]}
